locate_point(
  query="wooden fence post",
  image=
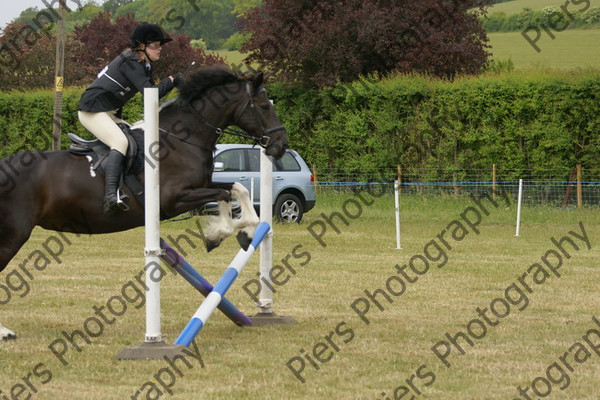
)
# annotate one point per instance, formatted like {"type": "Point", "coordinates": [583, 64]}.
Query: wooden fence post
{"type": "Point", "coordinates": [399, 178]}
{"type": "Point", "coordinates": [59, 78]}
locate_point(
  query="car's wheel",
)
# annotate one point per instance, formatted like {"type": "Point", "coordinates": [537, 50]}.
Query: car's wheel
{"type": "Point", "coordinates": [288, 208]}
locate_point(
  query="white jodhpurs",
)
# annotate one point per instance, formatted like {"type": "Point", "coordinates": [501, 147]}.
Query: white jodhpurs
{"type": "Point", "coordinates": [103, 125]}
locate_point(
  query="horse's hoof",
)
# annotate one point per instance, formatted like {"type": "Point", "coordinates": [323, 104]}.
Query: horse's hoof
{"type": "Point", "coordinates": [6, 334]}
{"type": "Point", "coordinates": [243, 240]}
{"type": "Point", "coordinates": [212, 244]}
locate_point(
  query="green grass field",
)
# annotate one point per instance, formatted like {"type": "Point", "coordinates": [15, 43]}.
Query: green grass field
{"type": "Point", "coordinates": [232, 57]}
{"type": "Point", "coordinates": [570, 49]}
{"type": "Point", "coordinates": [516, 6]}
{"type": "Point", "coordinates": [364, 360]}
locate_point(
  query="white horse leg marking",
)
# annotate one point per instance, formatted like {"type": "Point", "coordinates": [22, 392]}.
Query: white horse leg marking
{"type": "Point", "coordinates": [221, 226]}
{"type": "Point", "coordinates": [248, 220]}
{"type": "Point", "coordinates": [6, 334]}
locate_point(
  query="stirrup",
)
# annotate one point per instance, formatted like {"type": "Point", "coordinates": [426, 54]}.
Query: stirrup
{"type": "Point", "coordinates": [122, 199]}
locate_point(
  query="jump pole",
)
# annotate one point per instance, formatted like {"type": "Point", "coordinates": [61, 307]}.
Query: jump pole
{"type": "Point", "coordinates": [221, 287]}
{"type": "Point", "coordinates": [266, 315]}
{"type": "Point", "coordinates": [183, 268]}
{"type": "Point", "coordinates": [154, 346]}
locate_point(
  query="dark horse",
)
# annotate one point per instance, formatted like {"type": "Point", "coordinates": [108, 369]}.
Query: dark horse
{"type": "Point", "coordinates": [57, 191]}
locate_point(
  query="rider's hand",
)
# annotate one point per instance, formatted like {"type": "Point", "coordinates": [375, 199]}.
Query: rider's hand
{"type": "Point", "coordinates": [178, 79]}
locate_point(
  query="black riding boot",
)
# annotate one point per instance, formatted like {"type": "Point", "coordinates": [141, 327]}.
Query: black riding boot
{"type": "Point", "coordinates": [112, 175]}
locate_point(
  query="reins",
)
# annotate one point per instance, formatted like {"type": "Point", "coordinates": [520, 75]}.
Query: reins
{"type": "Point", "coordinates": [262, 141]}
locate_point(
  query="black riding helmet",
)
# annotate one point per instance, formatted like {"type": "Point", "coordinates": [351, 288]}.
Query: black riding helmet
{"type": "Point", "coordinates": [148, 33]}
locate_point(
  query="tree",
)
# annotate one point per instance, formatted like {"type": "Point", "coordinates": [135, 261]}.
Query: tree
{"type": "Point", "coordinates": [102, 40]}
{"type": "Point", "coordinates": [242, 7]}
{"type": "Point", "coordinates": [138, 8]}
{"type": "Point", "coordinates": [105, 40]}
{"type": "Point", "coordinates": [27, 16]}
{"type": "Point", "coordinates": [27, 58]}
{"type": "Point", "coordinates": [27, 55]}
{"type": "Point", "coordinates": [210, 20]}
{"type": "Point", "coordinates": [112, 5]}
{"type": "Point", "coordinates": [318, 42]}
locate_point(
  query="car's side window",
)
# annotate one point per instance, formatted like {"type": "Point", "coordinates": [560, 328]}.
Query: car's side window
{"type": "Point", "coordinates": [287, 163]}
{"type": "Point", "coordinates": [254, 159]}
{"type": "Point", "coordinates": [233, 160]}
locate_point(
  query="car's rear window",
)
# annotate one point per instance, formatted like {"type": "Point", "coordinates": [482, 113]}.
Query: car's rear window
{"type": "Point", "coordinates": [287, 163]}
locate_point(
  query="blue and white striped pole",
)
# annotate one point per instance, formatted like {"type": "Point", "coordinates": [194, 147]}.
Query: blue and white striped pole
{"type": "Point", "coordinates": [221, 287]}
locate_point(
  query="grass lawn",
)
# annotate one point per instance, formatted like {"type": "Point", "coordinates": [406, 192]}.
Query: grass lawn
{"type": "Point", "coordinates": [516, 6]}
{"type": "Point", "coordinates": [232, 57]}
{"type": "Point", "coordinates": [358, 360]}
{"type": "Point", "coordinates": [571, 49]}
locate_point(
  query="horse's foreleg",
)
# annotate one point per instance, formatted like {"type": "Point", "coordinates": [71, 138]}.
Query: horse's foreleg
{"type": "Point", "coordinates": [220, 227]}
{"type": "Point", "coordinates": [6, 334]}
{"type": "Point", "coordinates": [248, 220]}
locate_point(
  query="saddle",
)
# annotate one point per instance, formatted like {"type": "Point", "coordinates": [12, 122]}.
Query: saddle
{"type": "Point", "coordinates": [96, 152]}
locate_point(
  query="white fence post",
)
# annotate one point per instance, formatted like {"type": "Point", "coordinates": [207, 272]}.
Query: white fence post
{"type": "Point", "coordinates": [153, 347]}
{"type": "Point", "coordinates": [397, 207]}
{"type": "Point", "coordinates": [519, 201]}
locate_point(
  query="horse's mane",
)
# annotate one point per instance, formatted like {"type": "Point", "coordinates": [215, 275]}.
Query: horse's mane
{"type": "Point", "coordinates": [203, 79]}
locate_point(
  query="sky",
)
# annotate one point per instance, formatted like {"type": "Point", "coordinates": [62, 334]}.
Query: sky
{"type": "Point", "coordinates": [11, 9]}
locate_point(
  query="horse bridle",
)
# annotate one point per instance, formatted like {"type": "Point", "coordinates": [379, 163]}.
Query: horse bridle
{"type": "Point", "coordinates": [262, 141]}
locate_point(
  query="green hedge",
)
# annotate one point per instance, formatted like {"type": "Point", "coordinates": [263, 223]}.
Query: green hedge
{"type": "Point", "coordinates": [552, 17]}
{"type": "Point", "coordinates": [526, 123]}
{"type": "Point", "coordinates": [26, 119]}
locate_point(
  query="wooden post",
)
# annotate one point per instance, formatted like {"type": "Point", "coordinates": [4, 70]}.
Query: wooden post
{"type": "Point", "coordinates": [494, 181]}
{"type": "Point", "coordinates": [569, 187]}
{"type": "Point", "coordinates": [579, 190]}
{"type": "Point", "coordinates": [399, 179]}
{"type": "Point", "coordinates": [59, 77]}
{"type": "Point", "coordinates": [315, 180]}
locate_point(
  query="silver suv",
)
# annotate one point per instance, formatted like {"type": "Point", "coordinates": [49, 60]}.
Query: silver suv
{"type": "Point", "coordinates": [293, 182]}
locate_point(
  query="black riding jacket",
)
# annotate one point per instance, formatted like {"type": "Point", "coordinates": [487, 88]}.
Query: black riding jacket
{"type": "Point", "coordinates": [119, 82]}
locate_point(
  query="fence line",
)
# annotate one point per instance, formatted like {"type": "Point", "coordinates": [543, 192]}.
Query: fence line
{"type": "Point", "coordinates": [534, 192]}
{"type": "Point", "coordinates": [560, 186]}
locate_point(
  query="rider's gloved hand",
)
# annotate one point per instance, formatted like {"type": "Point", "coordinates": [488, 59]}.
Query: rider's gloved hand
{"type": "Point", "coordinates": [178, 79]}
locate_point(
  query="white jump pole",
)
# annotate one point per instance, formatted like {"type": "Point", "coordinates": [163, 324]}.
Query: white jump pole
{"type": "Point", "coordinates": [153, 346]}
{"type": "Point", "coordinates": [397, 207]}
{"type": "Point", "coordinates": [266, 315]}
{"type": "Point", "coordinates": [520, 199]}
{"type": "Point", "coordinates": [152, 216]}
{"type": "Point", "coordinates": [216, 296]}
{"type": "Point", "coordinates": [266, 249]}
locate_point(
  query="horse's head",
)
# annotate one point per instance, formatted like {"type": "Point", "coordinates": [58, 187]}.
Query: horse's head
{"type": "Point", "coordinates": [256, 115]}
{"type": "Point", "coordinates": [218, 97]}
